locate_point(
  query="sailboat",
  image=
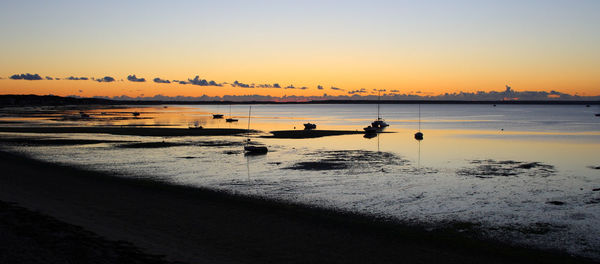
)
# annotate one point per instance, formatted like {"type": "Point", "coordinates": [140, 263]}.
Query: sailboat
{"type": "Point", "coordinates": [419, 135]}
{"type": "Point", "coordinates": [378, 124]}
{"type": "Point", "coordinates": [253, 149]}
{"type": "Point", "coordinates": [217, 116]}
{"type": "Point", "coordinates": [230, 119]}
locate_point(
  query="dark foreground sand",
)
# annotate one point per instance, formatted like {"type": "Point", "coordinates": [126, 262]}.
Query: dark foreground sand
{"type": "Point", "coordinates": [202, 226]}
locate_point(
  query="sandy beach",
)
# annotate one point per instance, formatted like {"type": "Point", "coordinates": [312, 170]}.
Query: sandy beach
{"type": "Point", "coordinates": [203, 226]}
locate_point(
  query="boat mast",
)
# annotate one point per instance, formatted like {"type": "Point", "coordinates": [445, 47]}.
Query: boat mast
{"type": "Point", "coordinates": [419, 117]}
{"type": "Point", "coordinates": [249, 113]}
{"type": "Point", "coordinates": [378, 99]}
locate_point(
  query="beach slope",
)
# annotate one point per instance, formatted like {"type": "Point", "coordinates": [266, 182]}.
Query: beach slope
{"type": "Point", "coordinates": [202, 226]}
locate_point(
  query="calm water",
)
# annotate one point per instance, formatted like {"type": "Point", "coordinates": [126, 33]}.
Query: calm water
{"type": "Point", "coordinates": [525, 174]}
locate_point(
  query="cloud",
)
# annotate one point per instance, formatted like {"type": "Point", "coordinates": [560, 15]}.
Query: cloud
{"type": "Point", "coordinates": [159, 80]}
{"type": "Point", "coordinates": [320, 87]}
{"type": "Point", "coordinates": [26, 76]}
{"type": "Point", "coordinates": [132, 78]}
{"type": "Point", "coordinates": [336, 88]}
{"type": "Point", "coordinates": [77, 78]}
{"type": "Point", "coordinates": [303, 88]}
{"type": "Point", "coordinates": [395, 91]}
{"type": "Point", "coordinates": [202, 82]}
{"type": "Point", "coordinates": [362, 90]}
{"type": "Point", "coordinates": [266, 85]}
{"type": "Point", "coordinates": [105, 79]}
{"type": "Point", "coordinates": [291, 86]}
{"type": "Point", "coordinates": [242, 85]}
{"type": "Point", "coordinates": [49, 78]}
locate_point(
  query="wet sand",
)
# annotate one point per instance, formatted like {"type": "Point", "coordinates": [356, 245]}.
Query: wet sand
{"type": "Point", "coordinates": [203, 226]}
{"type": "Point", "coordinates": [311, 133]}
{"type": "Point", "coordinates": [130, 131]}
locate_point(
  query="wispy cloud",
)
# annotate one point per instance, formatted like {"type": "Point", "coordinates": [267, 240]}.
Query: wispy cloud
{"type": "Point", "coordinates": [49, 78]}
{"type": "Point", "coordinates": [159, 80]}
{"type": "Point", "coordinates": [320, 87]}
{"type": "Point", "coordinates": [132, 78]}
{"type": "Point", "coordinates": [336, 88]}
{"type": "Point", "coordinates": [26, 76]}
{"type": "Point", "coordinates": [105, 79]}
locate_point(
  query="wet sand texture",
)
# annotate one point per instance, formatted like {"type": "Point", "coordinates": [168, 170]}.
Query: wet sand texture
{"type": "Point", "coordinates": [202, 226]}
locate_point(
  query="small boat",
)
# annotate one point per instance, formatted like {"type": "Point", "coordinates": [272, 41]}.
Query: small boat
{"type": "Point", "coordinates": [230, 119]}
{"type": "Point", "coordinates": [379, 123]}
{"type": "Point", "coordinates": [597, 114]}
{"type": "Point", "coordinates": [196, 126]}
{"type": "Point", "coordinates": [309, 126]}
{"type": "Point", "coordinates": [371, 130]}
{"type": "Point", "coordinates": [253, 149]}
{"type": "Point", "coordinates": [83, 115]}
{"type": "Point", "coordinates": [370, 135]}
{"type": "Point", "coordinates": [217, 116]}
{"type": "Point", "coordinates": [136, 114]}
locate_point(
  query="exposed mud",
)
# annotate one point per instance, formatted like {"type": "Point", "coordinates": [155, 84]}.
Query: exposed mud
{"type": "Point", "coordinates": [492, 168]}
{"type": "Point", "coordinates": [152, 145]}
{"type": "Point", "coordinates": [356, 160]}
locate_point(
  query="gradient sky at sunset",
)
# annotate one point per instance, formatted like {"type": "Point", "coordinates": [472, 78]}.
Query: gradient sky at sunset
{"type": "Point", "coordinates": [428, 46]}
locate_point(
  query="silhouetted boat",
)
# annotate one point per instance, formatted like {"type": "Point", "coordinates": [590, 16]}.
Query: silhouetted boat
{"type": "Point", "coordinates": [196, 126]}
{"type": "Point", "coordinates": [136, 114]}
{"type": "Point", "coordinates": [597, 114]}
{"type": "Point", "coordinates": [379, 123]}
{"type": "Point", "coordinates": [230, 119]}
{"type": "Point", "coordinates": [371, 130]}
{"type": "Point", "coordinates": [83, 115]}
{"type": "Point", "coordinates": [253, 149]}
{"type": "Point", "coordinates": [217, 116]}
{"type": "Point", "coordinates": [309, 126]}
{"type": "Point", "coordinates": [370, 135]}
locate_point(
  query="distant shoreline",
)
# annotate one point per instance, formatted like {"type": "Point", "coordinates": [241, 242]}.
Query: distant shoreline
{"type": "Point", "coordinates": [50, 100]}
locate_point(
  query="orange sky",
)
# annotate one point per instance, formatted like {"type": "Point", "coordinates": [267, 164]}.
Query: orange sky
{"type": "Point", "coordinates": [431, 47]}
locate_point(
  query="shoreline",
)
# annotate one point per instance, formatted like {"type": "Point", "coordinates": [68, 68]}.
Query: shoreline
{"type": "Point", "coordinates": [199, 225]}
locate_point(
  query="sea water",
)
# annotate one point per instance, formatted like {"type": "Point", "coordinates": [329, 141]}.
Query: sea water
{"type": "Point", "coordinates": [525, 174]}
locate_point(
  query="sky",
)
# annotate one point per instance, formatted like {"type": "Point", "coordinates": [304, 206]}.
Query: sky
{"type": "Point", "coordinates": [415, 47]}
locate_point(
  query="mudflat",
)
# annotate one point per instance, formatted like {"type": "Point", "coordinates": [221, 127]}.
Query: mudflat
{"type": "Point", "coordinates": [196, 225]}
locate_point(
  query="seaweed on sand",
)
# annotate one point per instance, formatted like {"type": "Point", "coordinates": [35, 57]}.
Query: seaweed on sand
{"type": "Point", "coordinates": [492, 168]}
{"type": "Point", "coordinates": [358, 160]}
